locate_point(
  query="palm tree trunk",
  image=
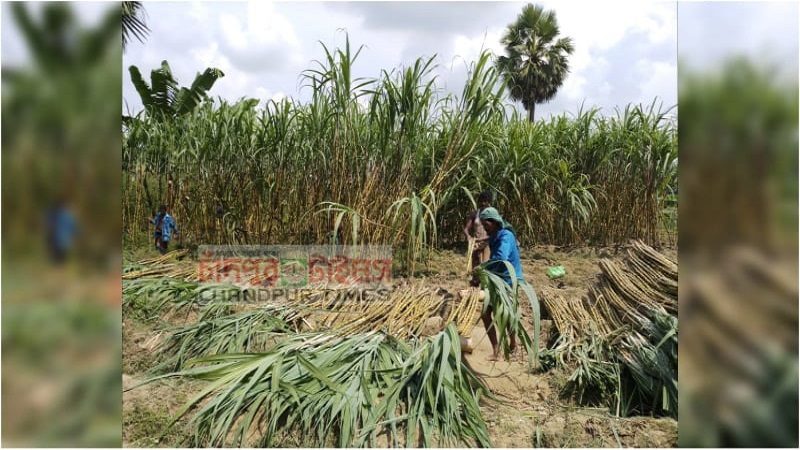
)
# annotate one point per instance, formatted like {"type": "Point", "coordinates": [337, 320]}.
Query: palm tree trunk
{"type": "Point", "coordinates": [531, 111]}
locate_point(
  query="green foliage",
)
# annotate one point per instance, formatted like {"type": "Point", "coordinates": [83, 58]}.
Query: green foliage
{"type": "Point", "coordinates": [741, 147]}
{"type": "Point", "coordinates": [503, 299]}
{"type": "Point", "coordinates": [163, 98]}
{"type": "Point", "coordinates": [61, 109]}
{"type": "Point", "coordinates": [339, 391]}
{"type": "Point", "coordinates": [595, 377]}
{"type": "Point", "coordinates": [387, 161]}
{"type": "Point", "coordinates": [246, 331]}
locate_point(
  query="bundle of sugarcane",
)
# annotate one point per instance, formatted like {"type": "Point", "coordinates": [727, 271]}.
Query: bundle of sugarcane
{"type": "Point", "coordinates": [148, 272]}
{"type": "Point", "coordinates": [179, 271]}
{"type": "Point", "coordinates": [627, 319]}
{"type": "Point", "coordinates": [175, 254]}
{"type": "Point", "coordinates": [657, 275]}
{"type": "Point", "coordinates": [467, 310]}
{"type": "Point", "coordinates": [654, 259]}
{"type": "Point", "coordinates": [185, 272]}
{"type": "Point", "coordinates": [166, 265]}
{"type": "Point", "coordinates": [402, 314]}
{"type": "Point", "coordinates": [741, 316]}
{"type": "Point", "coordinates": [625, 296]}
{"type": "Point", "coordinates": [577, 321]}
{"type": "Point", "coordinates": [470, 249]}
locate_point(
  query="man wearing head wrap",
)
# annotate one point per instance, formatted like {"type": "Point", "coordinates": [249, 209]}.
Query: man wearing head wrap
{"type": "Point", "coordinates": [503, 247]}
{"type": "Point", "coordinates": [502, 244]}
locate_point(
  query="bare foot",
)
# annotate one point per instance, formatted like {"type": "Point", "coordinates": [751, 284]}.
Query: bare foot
{"type": "Point", "coordinates": [494, 356]}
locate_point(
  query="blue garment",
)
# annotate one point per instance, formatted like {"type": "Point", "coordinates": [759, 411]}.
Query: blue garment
{"type": "Point", "coordinates": [61, 228]}
{"type": "Point", "coordinates": [167, 224]}
{"type": "Point", "coordinates": [503, 246]}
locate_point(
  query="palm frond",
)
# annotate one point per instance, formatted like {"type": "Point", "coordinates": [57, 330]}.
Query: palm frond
{"type": "Point", "coordinates": [133, 24]}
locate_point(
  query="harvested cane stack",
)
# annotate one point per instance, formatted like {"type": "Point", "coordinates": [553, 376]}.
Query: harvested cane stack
{"type": "Point", "coordinates": [403, 313]}
{"type": "Point", "coordinates": [164, 266]}
{"type": "Point", "coordinates": [620, 341]}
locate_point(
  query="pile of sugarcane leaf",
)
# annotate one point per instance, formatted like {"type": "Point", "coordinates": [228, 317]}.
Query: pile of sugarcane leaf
{"type": "Point", "coordinates": [345, 391]}
{"type": "Point", "coordinates": [360, 375]}
{"type": "Point", "coordinates": [620, 342]}
{"type": "Point", "coordinates": [230, 328]}
{"type": "Point", "coordinates": [150, 298]}
{"type": "Point", "coordinates": [246, 331]}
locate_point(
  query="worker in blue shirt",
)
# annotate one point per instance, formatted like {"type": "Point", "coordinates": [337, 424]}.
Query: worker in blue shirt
{"type": "Point", "coordinates": [164, 227]}
{"type": "Point", "coordinates": [61, 229]}
{"type": "Point", "coordinates": [503, 247]}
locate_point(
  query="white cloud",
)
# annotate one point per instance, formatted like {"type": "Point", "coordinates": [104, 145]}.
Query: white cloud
{"type": "Point", "coordinates": [261, 40]}
{"type": "Point", "coordinates": [596, 29]}
{"type": "Point", "coordinates": [209, 56]}
{"type": "Point", "coordinates": [660, 80]}
{"type": "Point", "coordinates": [573, 87]}
{"type": "Point", "coordinates": [469, 48]}
{"type": "Point", "coordinates": [278, 96]}
{"type": "Point", "coordinates": [601, 25]}
{"type": "Point", "coordinates": [233, 32]}
{"type": "Point", "coordinates": [199, 12]}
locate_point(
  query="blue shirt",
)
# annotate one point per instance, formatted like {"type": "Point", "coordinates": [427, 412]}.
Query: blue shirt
{"type": "Point", "coordinates": [62, 227]}
{"type": "Point", "coordinates": [503, 246]}
{"type": "Point", "coordinates": [168, 226]}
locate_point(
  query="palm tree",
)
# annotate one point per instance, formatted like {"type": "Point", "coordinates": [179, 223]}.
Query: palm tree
{"type": "Point", "coordinates": [535, 64]}
{"type": "Point", "coordinates": [164, 98]}
{"type": "Point", "coordinates": [132, 22]}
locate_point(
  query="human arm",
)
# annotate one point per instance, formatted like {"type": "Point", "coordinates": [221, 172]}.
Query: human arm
{"type": "Point", "coordinates": [481, 244]}
{"type": "Point", "coordinates": [468, 224]}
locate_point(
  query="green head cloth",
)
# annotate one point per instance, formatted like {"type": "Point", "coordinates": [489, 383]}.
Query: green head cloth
{"type": "Point", "coordinates": [491, 213]}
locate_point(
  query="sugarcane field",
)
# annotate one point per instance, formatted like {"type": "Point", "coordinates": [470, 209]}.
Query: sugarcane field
{"type": "Point", "coordinates": [398, 259]}
{"type": "Point", "coordinates": [400, 224]}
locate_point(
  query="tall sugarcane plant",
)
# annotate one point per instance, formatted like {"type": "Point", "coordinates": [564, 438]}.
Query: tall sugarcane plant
{"type": "Point", "coordinates": [384, 147]}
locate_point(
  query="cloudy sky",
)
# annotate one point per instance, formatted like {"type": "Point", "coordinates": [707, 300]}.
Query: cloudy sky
{"type": "Point", "coordinates": [625, 51]}
{"type": "Point", "coordinates": [708, 32]}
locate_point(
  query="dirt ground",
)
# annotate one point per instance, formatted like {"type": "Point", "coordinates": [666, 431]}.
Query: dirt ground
{"type": "Point", "coordinates": [530, 412]}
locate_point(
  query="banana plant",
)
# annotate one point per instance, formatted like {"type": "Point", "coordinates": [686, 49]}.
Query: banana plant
{"type": "Point", "coordinates": [165, 98]}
